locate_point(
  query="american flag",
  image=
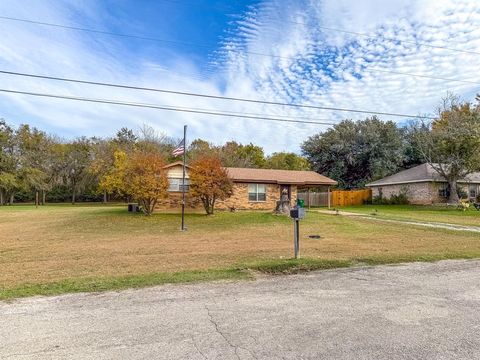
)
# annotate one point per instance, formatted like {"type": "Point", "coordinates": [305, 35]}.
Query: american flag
{"type": "Point", "coordinates": [180, 149]}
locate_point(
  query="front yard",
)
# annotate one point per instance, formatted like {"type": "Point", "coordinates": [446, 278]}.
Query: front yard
{"type": "Point", "coordinates": [55, 249]}
{"type": "Point", "coordinates": [441, 214]}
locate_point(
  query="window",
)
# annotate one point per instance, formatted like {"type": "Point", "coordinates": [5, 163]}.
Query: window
{"type": "Point", "coordinates": [257, 192]}
{"type": "Point", "coordinates": [472, 191]}
{"type": "Point", "coordinates": [175, 184]}
{"type": "Point", "coordinates": [444, 190]}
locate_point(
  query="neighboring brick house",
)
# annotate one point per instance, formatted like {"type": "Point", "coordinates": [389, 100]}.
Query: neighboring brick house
{"type": "Point", "coordinates": [253, 189]}
{"type": "Point", "coordinates": [423, 185]}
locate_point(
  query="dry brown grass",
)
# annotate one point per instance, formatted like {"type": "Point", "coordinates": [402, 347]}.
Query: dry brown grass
{"type": "Point", "coordinates": [63, 242]}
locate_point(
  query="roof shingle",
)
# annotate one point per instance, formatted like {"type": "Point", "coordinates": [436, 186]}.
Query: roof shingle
{"type": "Point", "coordinates": [293, 177]}
{"type": "Point", "coordinates": [420, 173]}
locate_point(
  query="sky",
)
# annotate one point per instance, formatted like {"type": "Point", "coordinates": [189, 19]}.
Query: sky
{"type": "Point", "coordinates": [288, 51]}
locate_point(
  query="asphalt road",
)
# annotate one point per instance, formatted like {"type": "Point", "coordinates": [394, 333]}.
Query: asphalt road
{"type": "Point", "coordinates": [415, 311]}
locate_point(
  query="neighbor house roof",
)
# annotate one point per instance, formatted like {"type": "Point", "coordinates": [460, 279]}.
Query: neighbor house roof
{"type": "Point", "coordinates": [293, 177]}
{"type": "Point", "coordinates": [420, 173]}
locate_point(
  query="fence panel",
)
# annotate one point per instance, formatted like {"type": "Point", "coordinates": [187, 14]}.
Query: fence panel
{"type": "Point", "coordinates": [337, 197]}
{"type": "Point", "coordinates": [314, 198]}
{"type": "Point", "coordinates": [350, 197]}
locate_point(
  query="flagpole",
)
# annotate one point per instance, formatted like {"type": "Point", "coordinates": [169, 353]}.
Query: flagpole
{"type": "Point", "coordinates": [183, 179]}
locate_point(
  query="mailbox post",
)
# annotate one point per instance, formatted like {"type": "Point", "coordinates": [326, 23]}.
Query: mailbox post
{"type": "Point", "coordinates": [297, 213]}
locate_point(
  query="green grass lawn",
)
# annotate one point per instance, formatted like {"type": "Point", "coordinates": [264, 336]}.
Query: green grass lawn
{"type": "Point", "coordinates": [56, 249]}
{"type": "Point", "coordinates": [419, 213]}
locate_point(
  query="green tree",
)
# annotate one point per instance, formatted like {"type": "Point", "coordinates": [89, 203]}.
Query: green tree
{"type": "Point", "coordinates": [286, 161]}
{"type": "Point", "coordinates": [9, 181]}
{"type": "Point", "coordinates": [103, 161]}
{"type": "Point", "coordinates": [125, 138]}
{"type": "Point", "coordinates": [78, 157]}
{"type": "Point", "coordinates": [355, 153]}
{"type": "Point", "coordinates": [452, 145]}
{"type": "Point", "coordinates": [34, 160]}
{"type": "Point", "coordinates": [233, 154]}
{"type": "Point", "coordinates": [199, 148]}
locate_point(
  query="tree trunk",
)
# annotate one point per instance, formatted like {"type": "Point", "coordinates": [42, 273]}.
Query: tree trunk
{"type": "Point", "coordinates": [152, 206]}
{"type": "Point", "coordinates": [44, 196]}
{"type": "Point", "coordinates": [11, 199]}
{"type": "Point", "coordinates": [1, 197]}
{"type": "Point", "coordinates": [104, 196]}
{"type": "Point", "coordinates": [206, 204]}
{"type": "Point", "coordinates": [146, 206]}
{"type": "Point", "coordinates": [36, 199]}
{"type": "Point", "coordinates": [213, 206]}
{"type": "Point", "coordinates": [453, 197]}
{"type": "Point", "coordinates": [73, 197]}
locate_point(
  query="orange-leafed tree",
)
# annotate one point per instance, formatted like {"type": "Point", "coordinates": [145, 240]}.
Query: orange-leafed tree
{"type": "Point", "coordinates": [145, 179]}
{"type": "Point", "coordinates": [209, 181]}
{"type": "Point", "coordinates": [139, 175]}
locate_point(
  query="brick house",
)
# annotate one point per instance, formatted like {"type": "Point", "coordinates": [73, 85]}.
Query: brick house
{"type": "Point", "coordinates": [253, 189]}
{"type": "Point", "coordinates": [423, 185]}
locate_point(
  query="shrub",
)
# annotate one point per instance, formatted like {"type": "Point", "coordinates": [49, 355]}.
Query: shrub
{"type": "Point", "coordinates": [396, 199]}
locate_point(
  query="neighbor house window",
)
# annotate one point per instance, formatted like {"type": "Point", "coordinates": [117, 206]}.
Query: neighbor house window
{"type": "Point", "coordinates": [257, 192]}
{"type": "Point", "coordinates": [472, 191]}
{"type": "Point", "coordinates": [443, 190]}
{"type": "Point", "coordinates": [175, 184]}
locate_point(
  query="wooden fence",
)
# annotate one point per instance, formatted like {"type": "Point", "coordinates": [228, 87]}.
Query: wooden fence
{"type": "Point", "coordinates": [350, 197]}
{"type": "Point", "coordinates": [314, 198]}
{"type": "Point", "coordinates": [337, 197]}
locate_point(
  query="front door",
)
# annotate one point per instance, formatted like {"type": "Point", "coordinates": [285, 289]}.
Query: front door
{"type": "Point", "coordinates": [285, 190]}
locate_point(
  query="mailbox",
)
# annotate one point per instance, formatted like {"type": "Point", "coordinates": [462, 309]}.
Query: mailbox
{"type": "Point", "coordinates": [297, 213]}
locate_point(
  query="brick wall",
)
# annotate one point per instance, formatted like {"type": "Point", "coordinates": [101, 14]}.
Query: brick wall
{"type": "Point", "coordinates": [239, 199]}
{"type": "Point", "coordinates": [425, 193]}
{"type": "Point", "coordinates": [174, 201]}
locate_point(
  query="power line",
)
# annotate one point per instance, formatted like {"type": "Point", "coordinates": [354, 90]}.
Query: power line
{"type": "Point", "coordinates": [247, 51]}
{"type": "Point", "coordinates": [425, 76]}
{"type": "Point", "coordinates": [150, 38]}
{"type": "Point", "coordinates": [345, 31]}
{"type": "Point", "coordinates": [471, 52]}
{"type": "Point", "coordinates": [164, 107]}
{"type": "Point", "coordinates": [184, 93]}
{"type": "Point", "coordinates": [139, 37]}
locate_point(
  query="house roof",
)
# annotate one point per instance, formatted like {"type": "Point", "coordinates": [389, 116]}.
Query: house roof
{"type": "Point", "coordinates": [420, 173]}
{"type": "Point", "coordinates": [272, 176]}
{"type": "Point", "coordinates": [176, 163]}
{"type": "Point", "coordinates": [293, 177]}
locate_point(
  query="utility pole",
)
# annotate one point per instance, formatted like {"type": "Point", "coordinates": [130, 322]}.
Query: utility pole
{"type": "Point", "coordinates": [183, 178]}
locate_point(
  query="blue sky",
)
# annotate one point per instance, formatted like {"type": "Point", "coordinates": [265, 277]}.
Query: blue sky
{"type": "Point", "coordinates": [302, 62]}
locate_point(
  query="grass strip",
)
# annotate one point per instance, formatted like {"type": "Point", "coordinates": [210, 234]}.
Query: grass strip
{"type": "Point", "coordinates": [242, 272]}
{"type": "Point", "coordinates": [296, 266]}
{"type": "Point", "coordinates": [121, 282]}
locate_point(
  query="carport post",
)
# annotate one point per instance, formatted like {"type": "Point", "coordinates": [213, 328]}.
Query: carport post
{"type": "Point", "coordinates": [309, 198]}
{"type": "Point", "coordinates": [328, 196]}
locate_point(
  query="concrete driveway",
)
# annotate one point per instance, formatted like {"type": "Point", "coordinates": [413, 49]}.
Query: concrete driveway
{"type": "Point", "coordinates": [415, 311]}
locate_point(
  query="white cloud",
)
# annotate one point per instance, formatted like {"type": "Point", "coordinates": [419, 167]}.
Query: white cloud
{"type": "Point", "coordinates": [306, 64]}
